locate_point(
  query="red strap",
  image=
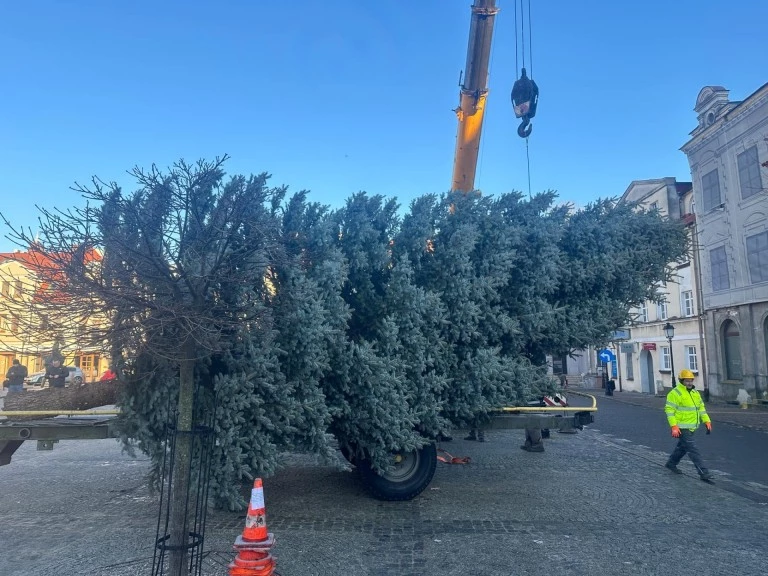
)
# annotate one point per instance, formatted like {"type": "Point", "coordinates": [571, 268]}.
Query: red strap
{"type": "Point", "coordinates": [448, 459]}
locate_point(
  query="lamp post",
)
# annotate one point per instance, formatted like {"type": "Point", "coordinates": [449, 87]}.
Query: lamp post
{"type": "Point", "coordinates": [669, 332]}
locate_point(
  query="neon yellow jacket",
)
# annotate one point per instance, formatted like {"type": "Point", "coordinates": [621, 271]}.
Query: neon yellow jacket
{"type": "Point", "coordinates": [684, 408]}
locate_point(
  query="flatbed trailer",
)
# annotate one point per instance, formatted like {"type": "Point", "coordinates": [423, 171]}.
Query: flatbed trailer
{"type": "Point", "coordinates": [412, 471]}
{"type": "Point", "coordinates": [409, 474]}
{"type": "Point", "coordinates": [74, 425]}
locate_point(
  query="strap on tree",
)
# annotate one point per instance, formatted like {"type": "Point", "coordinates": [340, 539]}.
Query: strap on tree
{"type": "Point", "coordinates": [450, 459]}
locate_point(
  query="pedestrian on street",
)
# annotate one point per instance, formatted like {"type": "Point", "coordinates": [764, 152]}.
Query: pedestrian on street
{"type": "Point", "coordinates": [685, 410]}
{"type": "Point", "coordinates": [476, 434]}
{"type": "Point", "coordinates": [15, 375]}
{"type": "Point", "coordinates": [533, 440]}
{"type": "Point", "coordinates": [56, 374]}
{"type": "Point", "coordinates": [108, 375]}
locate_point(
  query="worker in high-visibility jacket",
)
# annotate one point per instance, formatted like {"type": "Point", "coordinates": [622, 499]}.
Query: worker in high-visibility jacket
{"type": "Point", "coordinates": [685, 411]}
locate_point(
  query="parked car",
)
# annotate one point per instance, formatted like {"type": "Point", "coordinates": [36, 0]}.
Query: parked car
{"type": "Point", "coordinates": [35, 379]}
{"type": "Point", "coordinates": [75, 376]}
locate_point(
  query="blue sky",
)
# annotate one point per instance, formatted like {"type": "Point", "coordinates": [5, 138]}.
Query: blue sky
{"type": "Point", "coordinates": [338, 96]}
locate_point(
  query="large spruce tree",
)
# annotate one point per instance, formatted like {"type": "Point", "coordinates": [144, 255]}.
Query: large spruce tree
{"type": "Point", "coordinates": [288, 322]}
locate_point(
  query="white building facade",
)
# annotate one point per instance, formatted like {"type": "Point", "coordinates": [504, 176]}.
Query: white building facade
{"type": "Point", "coordinates": [728, 156]}
{"type": "Point", "coordinates": [648, 360]}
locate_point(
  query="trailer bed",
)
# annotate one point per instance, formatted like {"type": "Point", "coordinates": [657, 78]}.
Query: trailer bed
{"type": "Point", "coordinates": [47, 431]}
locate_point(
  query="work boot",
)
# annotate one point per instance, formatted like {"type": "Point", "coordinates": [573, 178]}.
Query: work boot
{"type": "Point", "coordinates": [707, 476]}
{"type": "Point", "coordinates": [481, 436]}
{"type": "Point", "coordinates": [471, 436]}
{"type": "Point", "coordinates": [533, 447]}
{"type": "Point", "coordinates": [673, 467]}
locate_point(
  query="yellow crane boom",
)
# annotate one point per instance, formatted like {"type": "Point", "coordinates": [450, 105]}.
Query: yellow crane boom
{"type": "Point", "coordinates": [474, 90]}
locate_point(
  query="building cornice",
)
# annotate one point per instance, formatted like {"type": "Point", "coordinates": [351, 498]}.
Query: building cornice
{"type": "Point", "coordinates": [755, 100]}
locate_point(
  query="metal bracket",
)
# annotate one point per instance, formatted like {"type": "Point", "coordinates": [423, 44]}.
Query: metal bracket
{"type": "Point", "coordinates": [484, 11]}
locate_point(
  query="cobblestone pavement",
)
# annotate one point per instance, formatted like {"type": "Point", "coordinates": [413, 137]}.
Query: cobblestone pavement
{"type": "Point", "coordinates": [588, 505]}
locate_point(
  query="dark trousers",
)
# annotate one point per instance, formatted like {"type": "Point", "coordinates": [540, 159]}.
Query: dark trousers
{"type": "Point", "coordinates": [687, 445]}
{"type": "Point", "coordinates": [532, 436]}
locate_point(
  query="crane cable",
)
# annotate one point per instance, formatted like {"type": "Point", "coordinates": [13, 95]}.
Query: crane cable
{"type": "Point", "coordinates": [530, 40]}
{"type": "Point", "coordinates": [530, 61]}
{"type": "Point", "coordinates": [517, 62]}
{"type": "Point", "coordinates": [520, 42]}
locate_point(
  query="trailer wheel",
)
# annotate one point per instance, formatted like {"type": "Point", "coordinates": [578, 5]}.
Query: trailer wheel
{"type": "Point", "coordinates": [412, 474]}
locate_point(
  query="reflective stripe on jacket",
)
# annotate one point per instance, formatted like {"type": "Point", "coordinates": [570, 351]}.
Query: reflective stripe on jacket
{"type": "Point", "coordinates": [685, 408]}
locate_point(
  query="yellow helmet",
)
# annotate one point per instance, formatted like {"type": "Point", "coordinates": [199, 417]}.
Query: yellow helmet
{"type": "Point", "coordinates": [686, 374]}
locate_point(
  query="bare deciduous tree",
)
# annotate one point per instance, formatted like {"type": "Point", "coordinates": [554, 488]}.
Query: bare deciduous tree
{"type": "Point", "coordinates": [164, 273]}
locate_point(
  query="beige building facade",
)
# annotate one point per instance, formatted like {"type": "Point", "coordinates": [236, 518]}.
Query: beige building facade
{"type": "Point", "coordinates": [28, 334]}
{"type": "Point", "coordinates": [647, 359]}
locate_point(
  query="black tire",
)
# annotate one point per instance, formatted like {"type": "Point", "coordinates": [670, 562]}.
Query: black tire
{"type": "Point", "coordinates": [78, 380]}
{"type": "Point", "coordinates": [412, 474]}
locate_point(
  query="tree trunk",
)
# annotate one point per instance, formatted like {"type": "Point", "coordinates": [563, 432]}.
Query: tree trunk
{"type": "Point", "coordinates": [179, 523]}
{"type": "Point", "coordinates": [82, 397]}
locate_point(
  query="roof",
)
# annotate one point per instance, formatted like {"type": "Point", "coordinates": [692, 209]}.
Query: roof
{"type": "Point", "coordinates": [683, 187]}
{"type": "Point", "coordinates": [639, 189]}
{"type": "Point", "coordinates": [40, 259]}
{"type": "Point", "coordinates": [47, 266]}
{"type": "Point", "coordinates": [726, 112]}
{"type": "Point", "coordinates": [708, 93]}
{"type": "Point", "coordinates": [740, 103]}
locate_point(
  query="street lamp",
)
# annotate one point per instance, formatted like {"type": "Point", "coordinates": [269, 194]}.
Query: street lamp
{"type": "Point", "coordinates": [669, 332]}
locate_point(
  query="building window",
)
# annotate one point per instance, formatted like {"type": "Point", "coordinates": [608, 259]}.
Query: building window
{"type": "Point", "coordinates": [719, 264]}
{"type": "Point", "coordinates": [19, 289]}
{"type": "Point", "coordinates": [691, 361]}
{"type": "Point", "coordinates": [710, 188]}
{"type": "Point", "coordinates": [661, 310]}
{"type": "Point", "coordinates": [666, 359]}
{"type": "Point", "coordinates": [731, 350]}
{"type": "Point", "coordinates": [4, 325]}
{"type": "Point", "coordinates": [749, 173]}
{"type": "Point", "coordinates": [630, 367]}
{"type": "Point", "coordinates": [643, 312]}
{"type": "Point", "coordinates": [6, 288]}
{"type": "Point", "coordinates": [89, 364]}
{"type": "Point", "coordinates": [37, 364]}
{"type": "Point", "coordinates": [686, 303]}
{"type": "Point", "coordinates": [757, 257]}
{"type": "Point", "coordinates": [654, 206]}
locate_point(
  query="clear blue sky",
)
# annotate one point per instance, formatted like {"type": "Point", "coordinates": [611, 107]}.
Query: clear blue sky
{"type": "Point", "coordinates": [338, 96]}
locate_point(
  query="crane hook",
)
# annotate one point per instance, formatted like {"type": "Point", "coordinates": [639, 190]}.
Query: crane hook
{"type": "Point", "coordinates": [525, 98]}
{"type": "Point", "coordinates": [525, 128]}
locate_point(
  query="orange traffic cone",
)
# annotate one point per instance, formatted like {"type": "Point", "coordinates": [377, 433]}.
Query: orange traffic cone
{"type": "Point", "coordinates": [252, 563]}
{"type": "Point", "coordinates": [254, 544]}
{"type": "Point", "coordinates": [255, 534]}
{"type": "Point", "coordinates": [256, 520]}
